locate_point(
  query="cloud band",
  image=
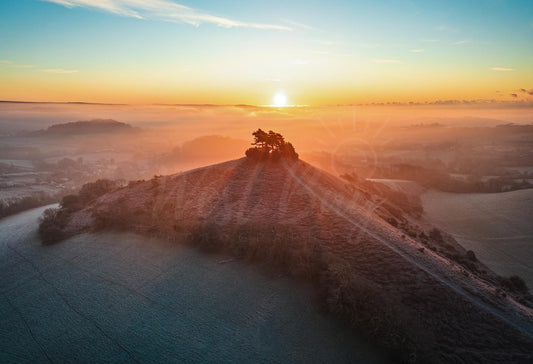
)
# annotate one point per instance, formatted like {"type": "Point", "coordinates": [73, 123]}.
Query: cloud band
{"type": "Point", "coordinates": [165, 10]}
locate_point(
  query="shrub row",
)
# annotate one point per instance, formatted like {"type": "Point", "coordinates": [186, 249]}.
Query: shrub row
{"type": "Point", "coordinates": [346, 295]}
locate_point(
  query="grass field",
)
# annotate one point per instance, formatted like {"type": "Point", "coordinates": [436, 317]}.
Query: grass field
{"type": "Point", "coordinates": [123, 298]}
{"type": "Point", "coordinates": [497, 227]}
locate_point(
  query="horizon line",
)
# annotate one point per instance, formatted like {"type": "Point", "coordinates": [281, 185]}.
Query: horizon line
{"type": "Point", "coordinates": [449, 102]}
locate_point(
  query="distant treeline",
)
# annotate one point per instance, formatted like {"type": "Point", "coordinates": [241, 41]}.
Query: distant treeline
{"type": "Point", "coordinates": [439, 179]}
{"type": "Point", "coordinates": [26, 203]}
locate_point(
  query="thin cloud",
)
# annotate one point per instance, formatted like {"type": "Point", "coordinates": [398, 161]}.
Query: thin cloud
{"type": "Point", "coordinates": [461, 42]}
{"type": "Point", "coordinates": [15, 65]}
{"type": "Point", "coordinates": [529, 92]}
{"type": "Point", "coordinates": [387, 61]}
{"type": "Point", "coordinates": [502, 69]}
{"type": "Point", "coordinates": [48, 70]}
{"type": "Point", "coordinates": [165, 10]}
{"type": "Point", "coordinates": [58, 70]}
{"type": "Point", "coordinates": [297, 24]}
{"type": "Point", "coordinates": [417, 50]}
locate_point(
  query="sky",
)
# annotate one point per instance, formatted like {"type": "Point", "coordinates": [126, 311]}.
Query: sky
{"type": "Point", "coordinates": [253, 52]}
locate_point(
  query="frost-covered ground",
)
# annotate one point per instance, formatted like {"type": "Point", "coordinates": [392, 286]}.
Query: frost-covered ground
{"type": "Point", "coordinates": [123, 298]}
{"type": "Point", "coordinates": [498, 227]}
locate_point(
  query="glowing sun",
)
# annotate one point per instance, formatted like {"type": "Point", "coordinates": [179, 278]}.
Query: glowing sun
{"type": "Point", "coordinates": [280, 99]}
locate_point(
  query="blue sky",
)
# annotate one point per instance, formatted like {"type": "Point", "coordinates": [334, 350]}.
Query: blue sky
{"type": "Point", "coordinates": [243, 51]}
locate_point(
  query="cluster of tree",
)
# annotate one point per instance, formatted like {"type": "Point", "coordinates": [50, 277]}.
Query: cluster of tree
{"type": "Point", "coordinates": [514, 284]}
{"type": "Point", "coordinates": [52, 225]}
{"type": "Point", "coordinates": [340, 292]}
{"type": "Point", "coordinates": [25, 203]}
{"type": "Point", "coordinates": [440, 179]}
{"type": "Point", "coordinates": [270, 145]}
{"type": "Point", "coordinates": [88, 192]}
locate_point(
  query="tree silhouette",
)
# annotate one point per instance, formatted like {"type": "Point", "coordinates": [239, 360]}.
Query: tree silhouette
{"type": "Point", "coordinates": [261, 139]}
{"type": "Point", "coordinates": [270, 145]}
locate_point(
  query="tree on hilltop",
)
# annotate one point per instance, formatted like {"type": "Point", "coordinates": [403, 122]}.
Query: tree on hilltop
{"type": "Point", "coordinates": [260, 139]}
{"type": "Point", "coordinates": [270, 145]}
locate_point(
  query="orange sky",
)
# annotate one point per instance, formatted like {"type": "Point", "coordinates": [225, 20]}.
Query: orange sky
{"type": "Point", "coordinates": [141, 52]}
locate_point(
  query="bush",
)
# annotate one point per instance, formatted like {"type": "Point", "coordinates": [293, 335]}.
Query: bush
{"type": "Point", "coordinates": [117, 216]}
{"type": "Point", "coordinates": [342, 292]}
{"type": "Point", "coordinates": [276, 247]}
{"type": "Point", "coordinates": [52, 223]}
{"type": "Point", "coordinates": [364, 305]}
{"type": "Point", "coordinates": [436, 235]}
{"type": "Point", "coordinates": [470, 255]}
{"type": "Point", "coordinates": [287, 151]}
{"type": "Point", "coordinates": [93, 190]}
{"type": "Point", "coordinates": [514, 284]}
{"type": "Point", "coordinates": [51, 226]}
{"type": "Point", "coordinates": [71, 202]}
{"type": "Point", "coordinates": [256, 154]}
{"type": "Point", "coordinates": [135, 183]}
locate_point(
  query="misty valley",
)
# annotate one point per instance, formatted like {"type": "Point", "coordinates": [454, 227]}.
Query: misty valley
{"type": "Point", "coordinates": [53, 160]}
{"type": "Point", "coordinates": [358, 230]}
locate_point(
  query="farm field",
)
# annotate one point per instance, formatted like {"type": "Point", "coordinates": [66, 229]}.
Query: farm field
{"type": "Point", "coordinates": [496, 226]}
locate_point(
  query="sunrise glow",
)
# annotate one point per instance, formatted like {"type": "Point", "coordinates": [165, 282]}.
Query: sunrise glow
{"type": "Point", "coordinates": [280, 99]}
{"type": "Point", "coordinates": [246, 181]}
{"type": "Point", "coordinates": [242, 52]}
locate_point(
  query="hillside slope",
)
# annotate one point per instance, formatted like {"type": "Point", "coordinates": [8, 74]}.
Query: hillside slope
{"type": "Point", "coordinates": [416, 301]}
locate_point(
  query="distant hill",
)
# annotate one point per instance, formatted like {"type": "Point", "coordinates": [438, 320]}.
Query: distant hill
{"type": "Point", "coordinates": [96, 126]}
{"type": "Point", "coordinates": [204, 150]}
{"type": "Point", "coordinates": [374, 264]}
{"type": "Point", "coordinates": [515, 128]}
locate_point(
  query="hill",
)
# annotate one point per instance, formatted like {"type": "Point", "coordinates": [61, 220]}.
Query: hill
{"type": "Point", "coordinates": [96, 126]}
{"type": "Point", "coordinates": [125, 298]}
{"type": "Point", "coordinates": [374, 264]}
